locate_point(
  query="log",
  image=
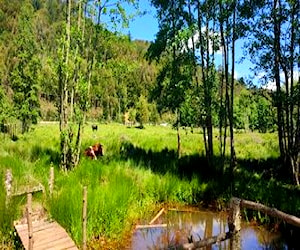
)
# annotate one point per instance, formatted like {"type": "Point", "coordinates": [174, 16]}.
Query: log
{"type": "Point", "coordinates": [150, 226]}
{"type": "Point", "coordinates": [157, 216]}
{"type": "Point", "coordinates": [290, 219]}
{"type": "Point", "coordinates": [207, 242]}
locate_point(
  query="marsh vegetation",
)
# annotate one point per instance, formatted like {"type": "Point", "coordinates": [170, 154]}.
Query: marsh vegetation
{"type": "Point", "coordinates": [138, 173]}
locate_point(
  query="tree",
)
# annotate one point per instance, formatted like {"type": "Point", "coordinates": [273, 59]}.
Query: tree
{"type": "Point", "coordinates": [142, 112]}
{"type": "Point", "coordinates": [24, 76]}
{"type": "Point", "coordinates": [170, 47]}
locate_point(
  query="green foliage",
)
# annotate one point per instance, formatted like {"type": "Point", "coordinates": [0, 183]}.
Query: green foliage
{"type": "Point", "coordinates": [24, 75]}
{"type": "Point", "coordinates": [253, 110]}
{"type": "Point", "coordinates": [6, 111]}
{"type": "Point", "coordinates": [142, 114]}
{"type": "Point", "coordinates": [189, 110]}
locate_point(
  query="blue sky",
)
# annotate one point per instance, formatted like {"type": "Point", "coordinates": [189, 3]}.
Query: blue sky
{"type": "Point", "coordinates": [146, 27]}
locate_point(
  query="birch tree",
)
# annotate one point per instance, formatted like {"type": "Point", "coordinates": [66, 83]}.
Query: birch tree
{"type": "Point", "coordinates": [275, 52]}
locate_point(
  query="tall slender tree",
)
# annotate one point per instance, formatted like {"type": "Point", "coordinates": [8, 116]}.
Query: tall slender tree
{"type": "Point", "coordinates": [171, 45]}
{"type": "Point", "coordinates": [25, 73]}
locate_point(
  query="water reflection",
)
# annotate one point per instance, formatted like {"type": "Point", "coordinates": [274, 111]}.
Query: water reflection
{"type": "Point", "coordinates": [184, 226]}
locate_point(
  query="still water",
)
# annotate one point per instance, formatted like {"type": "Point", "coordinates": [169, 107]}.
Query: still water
{"type": "Point", "coordinates": [181, 226]}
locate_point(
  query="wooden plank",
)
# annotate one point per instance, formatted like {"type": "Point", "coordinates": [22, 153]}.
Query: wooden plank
{"type": "Point", "coordinates": [37, 225]}
{"type": "Point", "coordinates": [58, 244]}
{"type": "Point", "coordinates": [150, 226]}
{"type": "Point", "coordinates": [47, 227]}
{"type": "Point", "coordinates": [52, 237]}
{"type": "Point", "coordinates": [49, 233]}
{"type": "Point", "coordinates": [67, 245]}
{"type": "Point", "coordinates": [73, 248]}
{"type": "Point", "coordinates": [38, 188]}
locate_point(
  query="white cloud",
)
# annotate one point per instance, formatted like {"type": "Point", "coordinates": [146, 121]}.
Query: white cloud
{"type": "Point", "coordinates": [271, 85]}
{"type": "Point", "coordinates": [236, 74]}
{"type": "Point", "coordinates": [196, 38]}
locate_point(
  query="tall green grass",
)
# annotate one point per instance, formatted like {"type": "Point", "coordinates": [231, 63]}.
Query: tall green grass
{"type": "Point", "coordinates": [118, 195]}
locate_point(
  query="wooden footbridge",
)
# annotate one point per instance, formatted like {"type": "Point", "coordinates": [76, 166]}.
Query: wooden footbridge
{"type": "Point", "coordinates": [45, 235]}
{"type": "Point", "coordinates": [42, 233]}
{"type": "Point", "coordinates": [35, 230]}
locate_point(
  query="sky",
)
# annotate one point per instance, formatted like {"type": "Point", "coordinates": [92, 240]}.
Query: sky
{"type": "Point", "coordinates": [146, 27]}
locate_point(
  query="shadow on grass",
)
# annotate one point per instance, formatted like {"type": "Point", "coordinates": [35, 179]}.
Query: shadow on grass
{"type": "Point", "coordinates": [166, 161]}
{"type": "Point", "coordinates": [51, 155]}
{"type": "Point", "coordinates": [257, 180]}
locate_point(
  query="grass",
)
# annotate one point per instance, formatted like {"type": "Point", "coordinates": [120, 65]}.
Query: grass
{"type": "Point", "coordinates": [138, 173]}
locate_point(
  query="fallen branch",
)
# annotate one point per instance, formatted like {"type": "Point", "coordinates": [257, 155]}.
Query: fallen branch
{"type": "Point", "coordinates": [207, 242]}
{"type": "Point", "coordinates": [291, 219]}
{"type": "Point", "coordinates": [187, 210]}
{"type": "Point", "coordinates": [157, 216]}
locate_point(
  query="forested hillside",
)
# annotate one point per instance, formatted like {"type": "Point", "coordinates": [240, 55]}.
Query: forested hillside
{"type": "Point", "coordinates": [31, 33]}
{"type": "Point", "coordinates": [121, 78]}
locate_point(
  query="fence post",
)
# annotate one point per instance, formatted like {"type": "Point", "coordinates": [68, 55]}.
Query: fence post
{"type": "Point", "coordinates": [84, 213]}
{"type": "Point", "coordinates": [8, 185]}
{"type": "Point", "coordinates": [29, 221]}
{"type": "Point", "coordinates": [51, 180]}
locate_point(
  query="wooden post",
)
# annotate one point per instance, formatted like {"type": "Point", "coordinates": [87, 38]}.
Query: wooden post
{"type": "Point", "coordinates": [234, 218]}
{"type": "Point", "coordinates": [51, 180]}
{"type": "Point", "coordinates": [8, 185]}
{"type": "Point", "coordinates": [84, 213]}
{"type": "Point", "coordinates": [234, 223]}
{"type": "Point", "coordinates": [29, 221]}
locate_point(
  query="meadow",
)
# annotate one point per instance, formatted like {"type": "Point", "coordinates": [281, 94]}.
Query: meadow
{"type": "Point", "coordinates": [138, 174]}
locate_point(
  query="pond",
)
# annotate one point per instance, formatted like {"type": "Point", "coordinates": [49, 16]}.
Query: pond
{"type": "Point", "coordinates": [181, 226]}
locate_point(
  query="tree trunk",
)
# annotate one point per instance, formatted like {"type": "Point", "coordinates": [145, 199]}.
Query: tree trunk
{"type": "Point", "coordinates": [178, 135]}
{"type": "Point", "coordinates": [64, 94]}
{"type": "Point", "coordinates": [223, 106]}
{"type": "Point", "coordinates": [232, 150]}
{"type": "Point", "coordinates": [225, 69]}
{"type": "Point", "coordinates": [280, 122]}
{"type": "Point", "coordinates": [205, 67]}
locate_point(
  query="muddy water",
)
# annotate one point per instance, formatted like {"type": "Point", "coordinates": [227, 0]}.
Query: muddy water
{"type": "Point", "coordinates": [181, 226]}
